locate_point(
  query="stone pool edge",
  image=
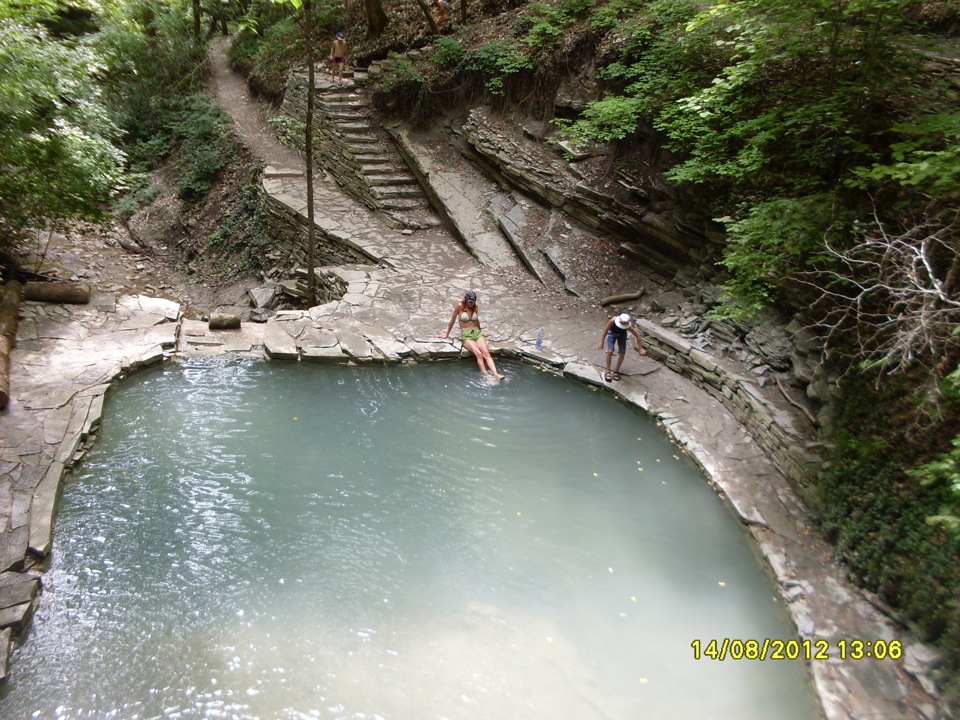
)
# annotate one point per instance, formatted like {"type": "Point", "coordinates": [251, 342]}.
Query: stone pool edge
{"type": "Point", "coordinates": [63, 405]}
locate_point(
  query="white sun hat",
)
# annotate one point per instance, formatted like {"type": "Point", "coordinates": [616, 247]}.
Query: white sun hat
{"type": "Point", "coordinates": [623, 321]}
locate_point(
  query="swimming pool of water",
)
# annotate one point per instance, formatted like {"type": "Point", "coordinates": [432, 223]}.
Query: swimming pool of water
{"type": "Point", "coordinates": [263, 540]}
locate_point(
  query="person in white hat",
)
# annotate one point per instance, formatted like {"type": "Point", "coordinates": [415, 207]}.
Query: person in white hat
{"type": "Point", "coordinates": [615, 334]}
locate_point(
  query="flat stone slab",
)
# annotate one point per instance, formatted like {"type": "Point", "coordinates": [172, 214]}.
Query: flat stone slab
{"type": "Point", "coordinates": [324, 355]}
{"type": "Point", "coordinates": [17, 589]}
{"type": "Point", "coordinates": [279, 339]}
{"type": "Point", "coordinates": [356, 346]}
{"type": "Point", "coordinates": [16, 617]}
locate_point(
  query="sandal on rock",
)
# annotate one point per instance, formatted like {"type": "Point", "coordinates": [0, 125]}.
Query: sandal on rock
{"type": "Point", "coordinates": [608, 377]}
{"type": "Point", "coordinates": [616, 376]}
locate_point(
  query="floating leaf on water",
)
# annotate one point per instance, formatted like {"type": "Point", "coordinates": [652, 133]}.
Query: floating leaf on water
{"type": "Point", "coordinates": [643, 681]}
{"type": "Point", "coordinates": [721, 583]}
{"type": "Point", "coordinates": [633, 598]}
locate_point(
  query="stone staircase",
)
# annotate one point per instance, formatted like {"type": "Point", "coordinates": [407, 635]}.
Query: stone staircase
{"type": "Point", "coordinates": [357, 152]}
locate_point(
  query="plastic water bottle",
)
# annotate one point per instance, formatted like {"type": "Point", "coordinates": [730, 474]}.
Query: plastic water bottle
{"type": "Point", "coordinates": [539, 343]}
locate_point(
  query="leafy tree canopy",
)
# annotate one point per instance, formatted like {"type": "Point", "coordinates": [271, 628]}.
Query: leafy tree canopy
{"type": "Point", "coordinates": [58, 160]}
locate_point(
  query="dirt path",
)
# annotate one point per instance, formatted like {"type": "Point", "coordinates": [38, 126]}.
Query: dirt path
{"type": "Point", "coordinates": [249, 117]}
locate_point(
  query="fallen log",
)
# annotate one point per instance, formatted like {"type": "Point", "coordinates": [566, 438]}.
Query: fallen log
{"type": "Point", "coordinates": [222, 321]}
{"type": "Point", "coordinates": [613, 299]}
{"type": "Point", "coordinates": [57, 292]}
{"type": "Point", "coordinates": [9, 319]}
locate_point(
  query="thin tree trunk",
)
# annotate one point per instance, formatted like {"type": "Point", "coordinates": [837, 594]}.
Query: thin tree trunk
{"type": "Point", "coordinates": [196, 21]}
{"type": "Point", "coordinates": [376, 18]}
{"type": "Point", "coordinates": [429, 15]}
{"type": "Point", "coordinates": [308, 142]}
{"type": "Point", "coordinates": [9, 319]}
{"type": "Point", "coordinates": [463, 12]}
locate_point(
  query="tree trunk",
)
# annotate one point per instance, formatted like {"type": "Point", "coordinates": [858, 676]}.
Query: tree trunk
{"type": "Point", "coordinates": [223, 321]}
{"type": "Point", "coordinates": [57, 292]}
{"type": "Point", "coordinates": [376, 17]}
{"type": "Point", "coordinates": [9, 319]}
{"type": "Point", "coordinates": [429, 15]}
{"type": "Point", "coordinates": [463, 12]}
{"type": "Point", "coordinates": [196, 21]}
{"type": "Point", "coordinates": [308, 151]}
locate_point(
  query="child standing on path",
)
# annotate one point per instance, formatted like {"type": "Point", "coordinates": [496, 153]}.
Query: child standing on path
{"type": "Point", "coordinates": [615, 333]}
{"type": "Point", "coordinates": [338, 58]}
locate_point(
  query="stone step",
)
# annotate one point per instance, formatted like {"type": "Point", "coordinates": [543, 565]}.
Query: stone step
{"type": "Point", "coordinates": [365, 149]}
{"type": "Point", "coordinates": [356, 139]}
{"type": "Point", "coordinates": [372, 158]}
{"type": "Point", "coordinates": [375, 181]}
{"type": "Point", "coordinates": [390, 169]}
{"type": "Point", "coordinates": [355, 128]}
{"type": "Point", "coordinates": [402, 204]}
{"type": "Point", "coordinates": [385, 192]}
{"type": "Point", "coordinates": [343, 106]}
{"type": "Point", "coordinates": [343, 116]}
{"type": "Point", "coordinates": [342, 94]}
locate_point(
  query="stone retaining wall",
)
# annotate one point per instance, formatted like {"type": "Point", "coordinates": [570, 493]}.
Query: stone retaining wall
{"type": "Point", "coordinates": [286, 223]}
{"type": "Point", "coordinates": [772, 428]}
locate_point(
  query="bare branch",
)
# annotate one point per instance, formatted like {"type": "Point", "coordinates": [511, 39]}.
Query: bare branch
{"type": "Point", "coordinates": [894, 295]}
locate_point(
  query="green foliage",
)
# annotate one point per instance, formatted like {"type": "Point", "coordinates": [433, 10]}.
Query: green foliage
{"type": "Point", "coordinates": [928, 159]}
{"type": "Point", "coordinates": [206, 145]}
{"type": "Point", "coordinates": [876, 513]}
{"type": "Point", "coordinates": [240, 236]}
{"type": "Point", "coordinates": [139, 192]}
{"type": "Point", "coordinates": [497, 62]}
{"type": "Point", "coordinates": [150, 64]}
{"type": "Point", "coordinates": [448, 52]}
{"type": "Point", "coordinates": [613, 118]}
{"type": "Point", "coordinates": [550, 20]}
{"type": "Point", "coordinates": [769, 106]}
{"type": "Point", "coordinates": [271, 41]}
{"type": "Point", "coordinates": [944, 471]}
{"type": "Point", "coordinates": [290, 131]}
{"type": "Point", "coordinates": [661, 61]}
{"type": "Point", "coordinates": [400, 73]}
{"type": "Point", "coordinates": [774, 239]}
{"type": "Point", "coordinates": [56, 133]}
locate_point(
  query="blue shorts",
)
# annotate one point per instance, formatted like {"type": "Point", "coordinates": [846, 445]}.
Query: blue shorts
{"type": "Point", "coordinates": [618, 339]}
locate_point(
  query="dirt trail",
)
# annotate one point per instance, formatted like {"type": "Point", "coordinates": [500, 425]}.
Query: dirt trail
{"type": "Point", "coordinates": [249, 116]}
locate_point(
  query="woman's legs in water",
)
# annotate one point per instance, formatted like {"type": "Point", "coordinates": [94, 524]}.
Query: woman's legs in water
{"type": "Point", "coordinates": [482, 353]}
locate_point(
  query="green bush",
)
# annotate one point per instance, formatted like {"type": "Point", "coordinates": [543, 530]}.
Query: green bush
{"type": "Point", "coordinates": [496, 63]}
{"type": "Point", "coordinates": [549, 22]}
{"type": "Point", "coordinates": [773, 240]}
{"type": "Point", "coordinates": [400, 73]}
{"type": "Point", "coordinates": [139, 192]}
{"type": "Point", "coordinates": [448, 52]}
{"type": "Point", "coordinates": [206, 145]}
{"type": "Point", "coordinates": [876, 511]}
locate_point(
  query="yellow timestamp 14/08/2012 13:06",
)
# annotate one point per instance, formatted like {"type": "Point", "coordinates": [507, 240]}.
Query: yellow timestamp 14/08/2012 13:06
{"type": "Point", "coordinates": [808, 649]}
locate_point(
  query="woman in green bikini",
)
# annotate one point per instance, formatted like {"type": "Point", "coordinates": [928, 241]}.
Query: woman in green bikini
{"type": "Point", "coordinates": [467, 312]}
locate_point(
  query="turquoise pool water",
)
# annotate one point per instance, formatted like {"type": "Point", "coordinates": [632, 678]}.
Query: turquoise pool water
{"type": "Point", "coordinates": [264, 540]}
